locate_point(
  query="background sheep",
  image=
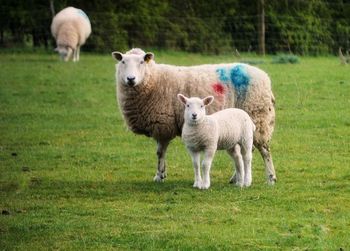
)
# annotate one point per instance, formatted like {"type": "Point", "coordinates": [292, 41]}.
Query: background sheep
{"type": "Point", "coordinates": [229, 129]}
{"type": "Point", "coordinates": [70, 27]}
{"type": "Point", "coordinates": [146, 94]}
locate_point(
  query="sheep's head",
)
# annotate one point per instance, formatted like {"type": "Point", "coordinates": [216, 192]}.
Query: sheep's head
{"type": "Point", "coordinates": [64, 51]}
{"type": "Point", "coordinates": [194, 108]}
{"type": "Point", "coordinates": [132, 66]}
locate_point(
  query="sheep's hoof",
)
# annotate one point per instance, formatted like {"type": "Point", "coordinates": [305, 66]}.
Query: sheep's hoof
{"type": "Point", "coordinates": [233, 179]}
{"type": "Point", "coordinates": [159, 177]}
{"type": "Point", "coordinates": [272, 180]}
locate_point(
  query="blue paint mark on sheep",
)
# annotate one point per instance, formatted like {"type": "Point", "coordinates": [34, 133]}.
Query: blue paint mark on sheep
{"type": "Point", "coordinates": [239, 77]}
{"type": "Point", "coordinates": [82, 13]}
{"type": "Point", "coordinates": [236, 76]}
{"type": "Point", "coordinates": [223, 76]}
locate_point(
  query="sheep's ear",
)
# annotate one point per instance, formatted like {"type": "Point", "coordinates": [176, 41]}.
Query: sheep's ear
{"type": "Point", "coordinates": [182, 98]}
{"type": "Point", "coordinates": [208, 100]}
{"type": "Point", "coordinates": [56, 49]}
{"type": "Point", "coordinates": [117, 55]}
{"type": "Point", "coordinates": [148, 56]}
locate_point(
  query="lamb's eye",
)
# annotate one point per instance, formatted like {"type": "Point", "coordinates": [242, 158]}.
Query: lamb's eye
{"type": "Point", "coordinates": [141, 62]}
{"type": "Point", "coordinates": [187, 105]}
{"type": "Point", "coordinates": [123, 62]}
{"type": "Point", "coordinates": [202, 106]}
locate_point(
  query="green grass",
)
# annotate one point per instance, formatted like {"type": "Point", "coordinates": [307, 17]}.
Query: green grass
{"type": "Point", "coordinates": [73, 178]}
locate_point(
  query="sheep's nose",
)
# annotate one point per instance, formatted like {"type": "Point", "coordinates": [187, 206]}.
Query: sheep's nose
{"type": "Point", "coordinates": [130, 78]}
{"type": "Point", "coordinates": [194, 115]}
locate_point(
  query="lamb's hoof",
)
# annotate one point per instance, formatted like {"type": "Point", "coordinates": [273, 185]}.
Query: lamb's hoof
{"type": "Point", "coordinates": [205, 186]}
{"type": "Point", "coordinates": [272, 180]}
{"type": "Point", "coordinates": [197, 185]}
{"type": "Point", "coordinates": [247, 184]}
{"type": "Point", "coordinates": [160, 177]}
{"type": "Point", "coordinates": [239, 184]}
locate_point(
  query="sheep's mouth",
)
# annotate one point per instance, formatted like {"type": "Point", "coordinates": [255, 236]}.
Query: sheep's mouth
{"type": "Point", "coordinates": [194, 121]}
{"type": "Point", "coordinates": [131, 83]}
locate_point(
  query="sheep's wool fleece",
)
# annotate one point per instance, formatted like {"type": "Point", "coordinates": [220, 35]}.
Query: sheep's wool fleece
{"type": "Point", "coordinates": [71, 27]}
{"type": "Point", "coordinates": [151, 108]}
{"type": "Point", "coordinates": [220, 130]}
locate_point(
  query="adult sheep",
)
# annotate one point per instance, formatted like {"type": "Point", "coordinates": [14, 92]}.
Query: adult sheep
{"type": "Point", "coordinates": [146, 93]}
{"type": "Point", "coordinates": [70, 27]}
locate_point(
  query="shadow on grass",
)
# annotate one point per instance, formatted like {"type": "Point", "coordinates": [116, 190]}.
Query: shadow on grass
{"type": "Point", "coordinates": [105, 189]}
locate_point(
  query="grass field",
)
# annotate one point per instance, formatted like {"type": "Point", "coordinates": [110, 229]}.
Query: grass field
{"type": "Point", "coordinates": [73, 178]}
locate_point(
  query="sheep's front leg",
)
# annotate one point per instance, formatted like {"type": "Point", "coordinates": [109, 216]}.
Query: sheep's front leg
{"type": "Point", "coordinates": [206, 165]}
{"type": "Point", "coordinates": [196, 166]}
{"type": "Point", "coordinates": [269, 168]}
{"type": "Point", "coordinates": [161, 152]}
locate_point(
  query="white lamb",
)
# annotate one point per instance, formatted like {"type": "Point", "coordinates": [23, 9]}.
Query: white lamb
{"type": "Point", "coordinates": [229, 129]}
{"type": "Point", "coordinates": [70, 27]}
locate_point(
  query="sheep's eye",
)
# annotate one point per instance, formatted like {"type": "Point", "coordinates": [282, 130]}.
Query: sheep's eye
{"type": "Point", "coordinates": [123, 62]}
{"type": "Point", "coordinates": [202, 106]}
{"type": "Point", "coordinates": [188, 105]}
{"type": "Point", "coordinates": [141, 62]}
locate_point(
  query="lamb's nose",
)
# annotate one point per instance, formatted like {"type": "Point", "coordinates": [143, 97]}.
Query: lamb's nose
{"type": "Point", "coordinates": [194, 115]}
{"type": "Point", "coordinates": [130, 78]}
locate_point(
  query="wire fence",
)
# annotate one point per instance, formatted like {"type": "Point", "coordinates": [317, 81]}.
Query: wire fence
{"type": "Point", "coordinates": [283, 33]}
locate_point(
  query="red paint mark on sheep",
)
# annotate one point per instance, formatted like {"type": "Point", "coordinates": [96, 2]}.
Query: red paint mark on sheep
{"type": "Point", "coordinates": [219, 88]}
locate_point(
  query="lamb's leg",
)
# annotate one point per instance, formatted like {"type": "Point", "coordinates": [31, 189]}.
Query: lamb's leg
{"type": "Point", "coordinates": [161, 152]}
{"type": "Point", "coordinates": [269, 168]}
{"type": "Point", "coordinates": [238, 177]}
{"type": "Point", "coordinates": [196, 166]}
{"type": "Point", "coordinates": [206, 165]}
{"type": "Point", "coordinates": [247, 160]}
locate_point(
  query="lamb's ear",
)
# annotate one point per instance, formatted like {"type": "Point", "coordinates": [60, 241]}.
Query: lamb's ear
{"type": "Point", "coordinates": [148, 56]}
{"type": "Point", "coordinates": [182, 98]}
{"type": "Point", "coordinates": [117, 55]}
{"type": "Point", "coordinates": [208, 100]}
{"type": "Point", "coordinates": [56, 49]}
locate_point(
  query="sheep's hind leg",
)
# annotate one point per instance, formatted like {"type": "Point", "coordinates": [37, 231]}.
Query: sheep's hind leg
{"type": "Point", "coordinates": [269, 168]}
{"type": "Point", "coordinates": [196, 166]}
{"type": "Point", "coordinates": [161, 152]}
{"type": "Point", "coordinates": [238, 176]}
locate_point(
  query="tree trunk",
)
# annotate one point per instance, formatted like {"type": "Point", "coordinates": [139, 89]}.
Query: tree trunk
{"type": "Point", "coordinates": [52, 8]}
{"type": "Point", "coordinates": [261, 26]}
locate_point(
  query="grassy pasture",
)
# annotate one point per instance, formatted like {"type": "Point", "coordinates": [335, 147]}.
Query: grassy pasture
{"type": "Point", "coordinates": [73, 178]}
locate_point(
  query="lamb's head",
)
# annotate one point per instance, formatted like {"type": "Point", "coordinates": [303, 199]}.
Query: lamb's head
{"type": "Point", "coordinates": [194, 108]}
{"type": "Point", "coordinates": [132, 66]}
{"type": "Point", "coordinates": [64, 51]}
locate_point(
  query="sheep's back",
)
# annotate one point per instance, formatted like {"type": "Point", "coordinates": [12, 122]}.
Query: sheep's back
{"type": "Point", "coordinates": [75, 18]}
{"type": "Point", "coordinates": [249, 89]}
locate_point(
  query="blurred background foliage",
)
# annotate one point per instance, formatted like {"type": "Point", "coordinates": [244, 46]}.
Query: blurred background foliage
{"type": "Point", "coordinates": [304, 27]}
